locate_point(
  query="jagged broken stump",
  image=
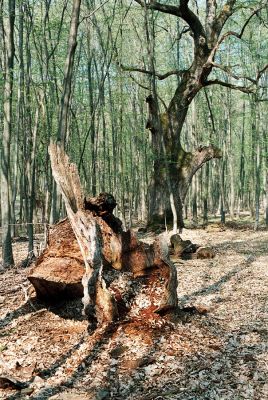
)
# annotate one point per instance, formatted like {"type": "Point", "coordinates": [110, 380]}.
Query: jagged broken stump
{"type": "Point", "coordinates": [122, 277]}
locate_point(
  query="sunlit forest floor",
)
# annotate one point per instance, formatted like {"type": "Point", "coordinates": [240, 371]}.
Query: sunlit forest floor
{"type": "Point", "coordinates": [216, 347]}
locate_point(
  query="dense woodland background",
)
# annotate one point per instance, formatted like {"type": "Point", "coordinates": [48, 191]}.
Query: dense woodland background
{"type": "Point", "coordinates": [106, 133]}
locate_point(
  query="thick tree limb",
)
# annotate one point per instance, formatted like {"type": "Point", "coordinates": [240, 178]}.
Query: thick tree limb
{"type": "Point", "coordinates": [226, 11]}
{"type": "Point", "coordinates": [181, 11]}
{"type": "Point", "coordinates": [194, 161]}
{"type": "Point", "coordinates": [211, 8]}
{"type": "Point", "coordinates": [192, 19]}
{"type": "Point", "coordinates": [165, 8]}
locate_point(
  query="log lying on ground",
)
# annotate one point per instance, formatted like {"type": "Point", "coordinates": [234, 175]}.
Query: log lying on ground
{"type": "Point", "coordinates": [182, 248]}
{"type": "Point", "coordinates": [123, 277]}
{"type": "Point", "coordinates": [187, 250]}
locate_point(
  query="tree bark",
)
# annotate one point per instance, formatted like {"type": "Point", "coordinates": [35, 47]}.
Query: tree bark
{"type": "Point", "coordinates": [8, 41]}
{"type": "Point", "coordinates": [177, 165]}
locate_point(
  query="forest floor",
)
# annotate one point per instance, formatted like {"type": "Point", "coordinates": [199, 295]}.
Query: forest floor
{"type": "Point", "coordinates": [216, 348]}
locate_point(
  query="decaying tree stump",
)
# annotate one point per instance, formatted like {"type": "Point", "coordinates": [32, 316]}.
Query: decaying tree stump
{"type": "Point", "coordinates": [57, 273]}
{"type": "Point", "coordinates": [123, 277]}
{"type": "Point", "coordinates": [181, 248]}
{"type": "Point", "coordinates": [187, 250]}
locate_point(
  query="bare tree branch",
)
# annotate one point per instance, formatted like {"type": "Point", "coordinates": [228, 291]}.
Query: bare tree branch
{"type": "Point", "coordinates": [229, 72]}
{"type": "Point", "coordinates": [151, 73]}
{"type": "Point", "coordinates": [94, 11]}
{"type": "Point", "coordinates": [147, 88]}
{"type": "Point", "coordinates": [262, 71]}
{"type": "Point", "coordinates": [231, 33]}
{"type": "Point", "coordinates": [138, 83]}
{"type": "Point", "coordinates": [245, 89]}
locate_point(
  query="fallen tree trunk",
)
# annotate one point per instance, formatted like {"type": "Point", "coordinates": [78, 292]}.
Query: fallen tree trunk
{"type": "Point", "coordinates": [123, 277]}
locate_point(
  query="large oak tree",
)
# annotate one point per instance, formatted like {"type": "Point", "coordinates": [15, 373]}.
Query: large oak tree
{"type": "Point", "coordinates": [173, 166]}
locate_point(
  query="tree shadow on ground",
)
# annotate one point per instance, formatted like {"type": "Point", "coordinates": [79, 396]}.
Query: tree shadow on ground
{"type": "Point", "coordinates": [68, 309]}
{"type": "Point", "coordinates": [113, 375]}
{"type": "Point", "coordinates": [214, 287]}
{"type": "Point", "coordinates": [203, 376]}
{"type": "Point", "coordinates": [206, 370]}
{"type": "Point", "coordinates": [257, 247]}
{"type": "Point", "coordinates": [203, 367]}
{"type": "Point", "coordinates": [48, 372]}
{"type": "Point", "coordinates": [234, 373]}
{"type": "Point", "coordinates": [101, 339]}
{"type": "Point", "coordinates": [29, 307]}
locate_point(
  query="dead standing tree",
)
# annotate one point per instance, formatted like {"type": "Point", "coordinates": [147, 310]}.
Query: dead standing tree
{"type": "Point", "coordinates": [123, 277]}
{"type": "Point", "coordinates": [173, 166]}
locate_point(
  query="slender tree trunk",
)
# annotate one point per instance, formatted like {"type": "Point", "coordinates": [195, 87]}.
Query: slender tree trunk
{"type": "Point", "coordinates": [266, 196]}
{"type": "Point", "coordinates": [32, 187]}
{"type": "Point", "coordinates": [257, 162]}
{"type": "Point", "coordinates": [66, 96]}
{"type": "Point", "coordinates": [265, 141]}
{"type": "Point", "coordinates": [205, 197]}
{"type": "Point", "coordinates": [228, 130]}
{"type": "Point", "coordinates": [194, 201]}
{"type": "Point", "coordinates": [68, 72]}
{"type": "Point", "coordinates": [8, 37]}
{"type": "Point", "coordinates": [242, 167]}
{"type": "Point", "coordinates": [92, 127]}
{"type": "Point", "coordinates": [222, 198]}
{"type": "Point", "coordinates": [19, 119]}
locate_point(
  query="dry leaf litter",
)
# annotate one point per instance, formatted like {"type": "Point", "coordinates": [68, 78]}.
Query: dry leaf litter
{"type": "Point", "coordinates": [216, 348]}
